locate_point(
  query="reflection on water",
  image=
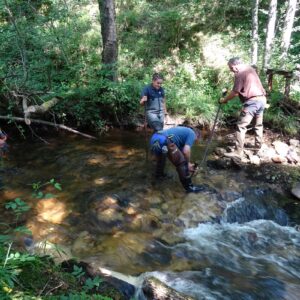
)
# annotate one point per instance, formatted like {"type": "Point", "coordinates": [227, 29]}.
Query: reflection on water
{"type": "Point", "coordinates": [112, 214]}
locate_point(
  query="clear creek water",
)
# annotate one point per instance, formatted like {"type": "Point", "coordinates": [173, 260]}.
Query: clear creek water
{"type": "Point", "coordinates": [230, 242]}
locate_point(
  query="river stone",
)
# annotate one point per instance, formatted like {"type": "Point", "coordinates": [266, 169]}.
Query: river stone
{"type": "Point", "coordinates": [220, 151]}
{"type": "Point", "coordinates": [169, 234]}
{"type": "Point", "coordinates": [200, 207]}
{"type": "Point", "coordinates": [266, 153]}
{"type": "Point", "coordinates": [254, 160]}
{"type": "Point", "coordinates": [110, 215]}
{"type": "Point", "coordinates": [82, 244]}
{"type": "Point", "coordinates": [296, 190]}
{"type": "Point", "coordinates": [144, 222]}
{"type": "Point", "coordinates": [281, 148]}
{"type": "Point", "coordinates": [153, 288]}
{"type": "Point", "coordinates": [292, 156]}
{"type": "Point", "coordinates": [279, 159]}
{"type": "Point", "coordinates": [294, 143]}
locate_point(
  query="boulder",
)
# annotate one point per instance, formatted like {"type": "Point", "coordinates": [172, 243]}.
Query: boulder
{"type": "Point", "coordinates": [220, 151]}
{"type": "Point", "coordinates": [294, 143]}
{"type": "Point", "coordinates": [296, 190]}
{"type": "Point", "coordinates": [266, 153]}
{"type": "Point", "coordinates": [279, 159]}
{"type": "Point", "coordinates": [292, 156]}
{"type": "Point", "coordinates": [281, 148]}
{"type": "Point", "coordinates": [254, 160]}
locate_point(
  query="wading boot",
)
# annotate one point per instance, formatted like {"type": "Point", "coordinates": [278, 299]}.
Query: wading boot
{"type": "Point", "coordinates": [160, 167]}
{"type": "Point", "coordinates": [185, 179]}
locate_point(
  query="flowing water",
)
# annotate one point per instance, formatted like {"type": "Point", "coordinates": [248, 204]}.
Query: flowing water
{"type": "Point", "coordinates": [231, 241]}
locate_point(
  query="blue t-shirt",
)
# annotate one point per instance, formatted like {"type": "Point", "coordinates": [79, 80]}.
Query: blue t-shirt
{"type": "Point", "coordinates": [179, 135]}
{"type": "Point", "coordinates": [155, 98]}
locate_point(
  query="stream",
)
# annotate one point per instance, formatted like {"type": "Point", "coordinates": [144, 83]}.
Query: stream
{"type": "Point", "coordinates": [234, 240]}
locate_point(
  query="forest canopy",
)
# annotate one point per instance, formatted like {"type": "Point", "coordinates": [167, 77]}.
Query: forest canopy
{"type": "Point", "coordinates": [56, 49]}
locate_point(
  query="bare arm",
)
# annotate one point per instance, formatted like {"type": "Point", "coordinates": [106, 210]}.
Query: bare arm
{"type": "Point", "coordinates": [143, 100]}
{"type": "Point", "coordinates": [187, 152]}
{"type": "Point", "coordinates": [229, 97]}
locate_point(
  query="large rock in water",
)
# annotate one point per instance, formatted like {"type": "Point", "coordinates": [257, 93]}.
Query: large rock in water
{"type": "Point", "coordinates": [296, 190]}
{"type": "Point", "coordinates": [256, 204]}
{"type": "Point", "coordinates": [155, 289]}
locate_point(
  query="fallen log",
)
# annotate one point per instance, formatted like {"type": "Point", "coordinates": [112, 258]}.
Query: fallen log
{"type": "Point", "coordinates": [49, 124]}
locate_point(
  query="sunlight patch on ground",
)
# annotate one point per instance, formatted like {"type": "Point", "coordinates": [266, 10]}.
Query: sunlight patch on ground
{"type": "Point", "coordinates": [51, 210]}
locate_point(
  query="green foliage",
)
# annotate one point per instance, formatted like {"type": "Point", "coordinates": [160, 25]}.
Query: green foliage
{"type": "Point", "coordinates": [18, 206]}
{"type": "Point", "coordinates": [38, 194]}
{"type": "Point", "coordinates": [53, 48]}
{"type": "Point", "coordinates": [79, 296]}
{"type": "Point", "coordinates": [280, 120]}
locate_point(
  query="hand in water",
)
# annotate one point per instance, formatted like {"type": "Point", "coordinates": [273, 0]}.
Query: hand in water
{"type": "Point", "coordinates": [193, 168]}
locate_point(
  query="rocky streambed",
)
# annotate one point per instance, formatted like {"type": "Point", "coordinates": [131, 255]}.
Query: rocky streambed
{"type": "Point", "coordinates": [237, 239]}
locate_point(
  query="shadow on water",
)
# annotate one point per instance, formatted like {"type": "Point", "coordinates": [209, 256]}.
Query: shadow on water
{"type": "Point", "coordinates": [229, 242]}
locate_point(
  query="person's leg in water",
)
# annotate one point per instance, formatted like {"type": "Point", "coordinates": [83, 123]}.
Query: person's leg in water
{"type": "Point", "coordinates": [178, 160]}
{"type": "Point", "coordinates": [160, 166]}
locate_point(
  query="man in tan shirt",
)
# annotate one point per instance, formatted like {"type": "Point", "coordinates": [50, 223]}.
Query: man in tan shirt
{"type": "Point", "coordinates": [248, 87]}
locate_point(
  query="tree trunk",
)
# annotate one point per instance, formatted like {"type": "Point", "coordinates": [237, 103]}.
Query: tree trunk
{"type": "Point", "coordinates": [287, 29]}
{"type": "Point", "coordinates": [109, 37]}
{"type": "Point", "coordinates": [254, 50]}
{"type": "Point", "coordinates": [270, 33]}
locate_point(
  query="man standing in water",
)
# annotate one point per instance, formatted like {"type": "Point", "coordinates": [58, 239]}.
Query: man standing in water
{"type": "Point", "coordinates": [248, 87]}
{"type": "Point", "coordinates": [154, 100]}
{"type": "Point", "coordinates": [175, 143]}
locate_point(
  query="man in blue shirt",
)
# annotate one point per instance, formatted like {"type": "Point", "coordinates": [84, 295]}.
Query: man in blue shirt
{"type": "Point", "coordinates": [176, 143]}
{"type": "Point", "coordinates": [154, 100]}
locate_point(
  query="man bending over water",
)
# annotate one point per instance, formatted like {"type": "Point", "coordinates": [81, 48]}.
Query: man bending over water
{"type": "Point", "coordinates": [176, 143]}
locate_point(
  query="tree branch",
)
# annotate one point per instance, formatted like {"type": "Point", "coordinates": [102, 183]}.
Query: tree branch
{"type": "Point", "coordinates": [61, 126]}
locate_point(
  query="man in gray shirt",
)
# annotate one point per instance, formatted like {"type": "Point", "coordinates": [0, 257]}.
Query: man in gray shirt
{"type": "Point", "coordinates": [248, 87]}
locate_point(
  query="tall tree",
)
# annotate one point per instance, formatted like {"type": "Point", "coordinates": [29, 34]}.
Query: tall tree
{"type": "Point", "coordinates": [287, 29]}
{"type": "Point", "coordinates": [254, 50]}
{"type": "Point", "coordinates": [270, 32]}
{"type": "Point", "coordinates": [109, 37]}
